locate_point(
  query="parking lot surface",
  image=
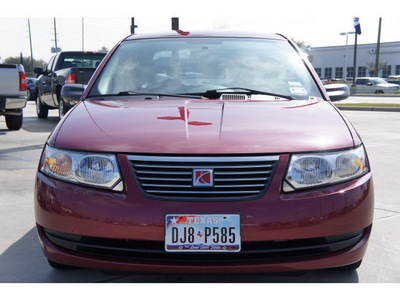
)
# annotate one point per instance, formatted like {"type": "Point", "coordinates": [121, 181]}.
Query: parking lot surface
{"type": "Point", "coordinates": [21, 260]}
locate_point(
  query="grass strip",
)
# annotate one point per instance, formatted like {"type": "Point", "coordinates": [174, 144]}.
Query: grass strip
{"type": "Point", "coordinates": [368, 104]}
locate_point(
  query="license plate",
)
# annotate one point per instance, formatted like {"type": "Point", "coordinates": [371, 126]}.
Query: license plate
{"type": "Point", "coordinates": [202, 233]}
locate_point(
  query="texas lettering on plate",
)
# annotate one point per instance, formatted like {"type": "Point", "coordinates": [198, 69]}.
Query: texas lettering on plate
{"type": "Point", "coordinates": [202, 233]}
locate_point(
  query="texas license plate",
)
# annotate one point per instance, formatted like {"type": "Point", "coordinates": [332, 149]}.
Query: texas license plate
{"type": "Point", "coordinates": [202, 233]}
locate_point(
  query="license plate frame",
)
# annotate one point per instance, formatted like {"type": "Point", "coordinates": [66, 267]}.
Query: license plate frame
{"type": "Point", "coordinates": [209, 233]}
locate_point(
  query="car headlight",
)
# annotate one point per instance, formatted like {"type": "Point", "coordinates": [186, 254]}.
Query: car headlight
{"type": "Point", "coordinates": [317, 169]}
{"type": "Point", "coordinates": [92, 169]}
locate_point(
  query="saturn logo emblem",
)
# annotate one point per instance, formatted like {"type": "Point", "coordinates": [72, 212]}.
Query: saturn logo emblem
{"type": "Point", "coordinates": [203, 177]}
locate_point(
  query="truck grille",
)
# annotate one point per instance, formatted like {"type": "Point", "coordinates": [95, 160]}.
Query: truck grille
{"type": "Point", "coordinates": [203, 178]}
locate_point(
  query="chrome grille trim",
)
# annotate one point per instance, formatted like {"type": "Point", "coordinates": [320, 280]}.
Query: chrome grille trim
{"type": "Point", "coordinates": [171, 177]}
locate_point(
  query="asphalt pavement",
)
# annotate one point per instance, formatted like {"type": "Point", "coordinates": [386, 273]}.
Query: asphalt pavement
{"type": "Point", "coordinates": [21, 260]}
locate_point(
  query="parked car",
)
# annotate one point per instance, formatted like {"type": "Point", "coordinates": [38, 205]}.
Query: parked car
{"type": "Point", "coordinates": [375, 85]}
{"type": "Point", "coordinates": [72, 67]}
{"type": "Point", "coordinates": [393, 79]}
{"type": "Point", "coordinates": [204, 153]}
{"type": "Point", "coordinates": [12, 94]}
{"type": "Point", "coordinates": [31, 88]}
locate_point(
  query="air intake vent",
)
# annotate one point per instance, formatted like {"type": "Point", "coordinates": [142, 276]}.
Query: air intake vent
{"type": "Point", "coordinates": [203, 178]}
{"type": "Point", "coordinates": [234, 97]}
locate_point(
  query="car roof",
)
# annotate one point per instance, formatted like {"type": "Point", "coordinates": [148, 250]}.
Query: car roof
{"type": "Point", "coordinates": [216, 33]}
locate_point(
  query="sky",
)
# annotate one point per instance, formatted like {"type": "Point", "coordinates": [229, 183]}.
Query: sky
{"type": "Point", "coordinates": [104, 23]}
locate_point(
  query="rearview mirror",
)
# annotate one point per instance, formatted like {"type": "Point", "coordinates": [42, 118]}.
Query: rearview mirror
{"type": "Point", "coordinates": [72, 93]}
{"type": "Point", "coordinates": [337, 91]}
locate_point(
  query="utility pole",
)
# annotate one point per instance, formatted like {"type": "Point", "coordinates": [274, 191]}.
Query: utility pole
{"type": "Point", "coordinates": [378, 47]}
{"type": "Point", "coordinates": [83, 35]}
{"type": "Point", "coordinates": [30, 42]}
{"type": "Point", "coordinates": [355, 61]}
{"type": "Point", "coordinates": [357, 28]}
{"type": "Point", "coordinates": [133, 26]}
{"type": "Point", "coordinates": [175, 23]}
{"type": "Point", "coordinates": [55, 35]}
{"type": "Point", "coordinates": [345, 54]}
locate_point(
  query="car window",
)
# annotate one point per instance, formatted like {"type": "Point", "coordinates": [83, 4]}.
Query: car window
{"type": "Point", "coordinates": [195, 65]}
{"type": "Point", "coordinates": [49, 65]}
{"type": "Point", "coordinates": [80, 60]}
{"type": "Point", "coordinates": [378, 81]}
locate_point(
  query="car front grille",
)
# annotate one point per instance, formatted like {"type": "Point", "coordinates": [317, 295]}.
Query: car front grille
{"type": "Point", "coordinates": [232, 177]}
{"type": "Point", "coordinates": [250, 251]}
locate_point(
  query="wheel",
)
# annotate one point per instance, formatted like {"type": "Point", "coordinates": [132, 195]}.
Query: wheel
{"type": "Point", "coordinates": [14, 122]}
{"type": "Point", "coordinates": [28, 94]}
{"type": "Point", "coordinates": [42, 110]}
{"type": "Point", "coordinates": [62, 108]}
{"type": "Point", "coordinates": [59, 266]}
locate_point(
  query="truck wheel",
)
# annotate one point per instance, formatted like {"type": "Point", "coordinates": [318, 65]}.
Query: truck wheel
{"type": "Point", "coordinates": [41, 110]}
{"type": "Point", "coordinates": [14, 122]}
{"type": "Point", "coordinates": [62, 108]}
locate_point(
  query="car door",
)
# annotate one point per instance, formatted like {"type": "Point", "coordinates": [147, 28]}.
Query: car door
{"type": "Point", "coordinates": [45, 84]}
{"type": "Point", "coordinates": [370, 87]}
{"type": "Point", "coordinates": [362, 86]}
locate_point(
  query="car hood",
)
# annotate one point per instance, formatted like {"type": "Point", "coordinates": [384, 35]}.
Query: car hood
{"type": "Point", "coordinates": [388, 85]}
{"type": "Point", "coordinates": [202, 126]}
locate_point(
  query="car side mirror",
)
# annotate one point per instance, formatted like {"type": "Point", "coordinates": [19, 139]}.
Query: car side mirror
{"type": "Point", "coordinates": [337, 91]}
{"type": "Point", "coordinates": [72, 93]}
{"type": "Point", "coordinates": [38, 71]}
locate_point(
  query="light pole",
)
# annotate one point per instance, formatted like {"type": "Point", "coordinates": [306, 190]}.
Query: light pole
{"type": "Point", "coordinates": [345, 55]}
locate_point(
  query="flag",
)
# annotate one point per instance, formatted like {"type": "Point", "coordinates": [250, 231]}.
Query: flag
{"type": "Point", "coordinates": [357, 25]}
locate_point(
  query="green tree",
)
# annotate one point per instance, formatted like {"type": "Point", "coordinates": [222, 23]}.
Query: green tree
{"type": "Point", "coordinates": [103, 49]}
{"type": "Point", "coordinates": [305, 47]}
{"type": "Point", "coordinates": [26, 62]}
{"type": "Point", "coordinates": [371, 68]}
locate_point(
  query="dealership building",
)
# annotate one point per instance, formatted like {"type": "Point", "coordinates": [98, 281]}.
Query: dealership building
{"type": "Point", "coordinates": [330, 62]}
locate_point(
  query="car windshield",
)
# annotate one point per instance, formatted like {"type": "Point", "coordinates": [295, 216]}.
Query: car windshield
{"type": "Point", "coordinates": [196, 65]}
{"type": "Point", "coordinates": [378, 81]}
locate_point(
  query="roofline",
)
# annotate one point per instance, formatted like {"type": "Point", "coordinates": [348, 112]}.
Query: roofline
{"type": "Point", "coordinates": [211, 33]}
{"type": "Point", "coordinates": [358, 45]}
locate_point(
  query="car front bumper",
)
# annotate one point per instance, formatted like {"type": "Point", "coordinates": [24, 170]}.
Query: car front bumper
{"type": "Point", "coordinates": [323, 228]}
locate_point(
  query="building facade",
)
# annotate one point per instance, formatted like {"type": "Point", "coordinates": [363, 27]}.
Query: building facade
{"type": "Point", "coordinates": [331, 62]}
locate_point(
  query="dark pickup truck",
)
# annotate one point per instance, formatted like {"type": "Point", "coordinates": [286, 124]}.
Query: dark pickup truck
{"type": "Point", "coordinates": [68, 67]}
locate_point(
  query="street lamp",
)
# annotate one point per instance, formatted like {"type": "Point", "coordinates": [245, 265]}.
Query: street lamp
{"type": "Point", "coordinates": [345, 56]}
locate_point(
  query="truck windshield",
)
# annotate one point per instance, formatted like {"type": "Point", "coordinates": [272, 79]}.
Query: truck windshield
{"type": "Point", "coordinates": [195, 65]}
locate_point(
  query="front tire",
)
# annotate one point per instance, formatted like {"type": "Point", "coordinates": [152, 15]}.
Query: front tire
{"type": "Point", "coordinates": [62, 108]}
{"type": "Point", "coordinates": [42, 110]}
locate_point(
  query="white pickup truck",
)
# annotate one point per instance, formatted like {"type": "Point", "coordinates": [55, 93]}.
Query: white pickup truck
{"type": "Point", "coordinates": [13, 95]}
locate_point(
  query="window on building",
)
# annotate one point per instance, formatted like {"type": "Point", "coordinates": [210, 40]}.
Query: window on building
{"type": "Point", "coordinates": [397, 70]}
{"type": "Point", "coordinates": [328, 73]}
{"type": "Point", "coordinates": [339, 72]}
{"type": "Point", "coordinates": [350, 72]}
{"type": "Point", "coordinates": [362, 71]}
{"type": "Point", "coordinates": [319, 71]}
{"type": "Point", "coordinates": [386, 71]}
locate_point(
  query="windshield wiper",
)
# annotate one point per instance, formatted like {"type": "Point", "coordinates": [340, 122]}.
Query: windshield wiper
{"type": "Point", "coordinates": [213, 94]}
{"type": "Point", "coordinates": [159, 95]}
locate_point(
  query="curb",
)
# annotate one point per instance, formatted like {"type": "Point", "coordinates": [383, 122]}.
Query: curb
{"type": "Point", "coordinates": [369, 108]}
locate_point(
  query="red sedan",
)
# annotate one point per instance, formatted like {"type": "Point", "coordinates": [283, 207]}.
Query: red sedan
{"type": "Point", "coordinates": [204, 153]}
